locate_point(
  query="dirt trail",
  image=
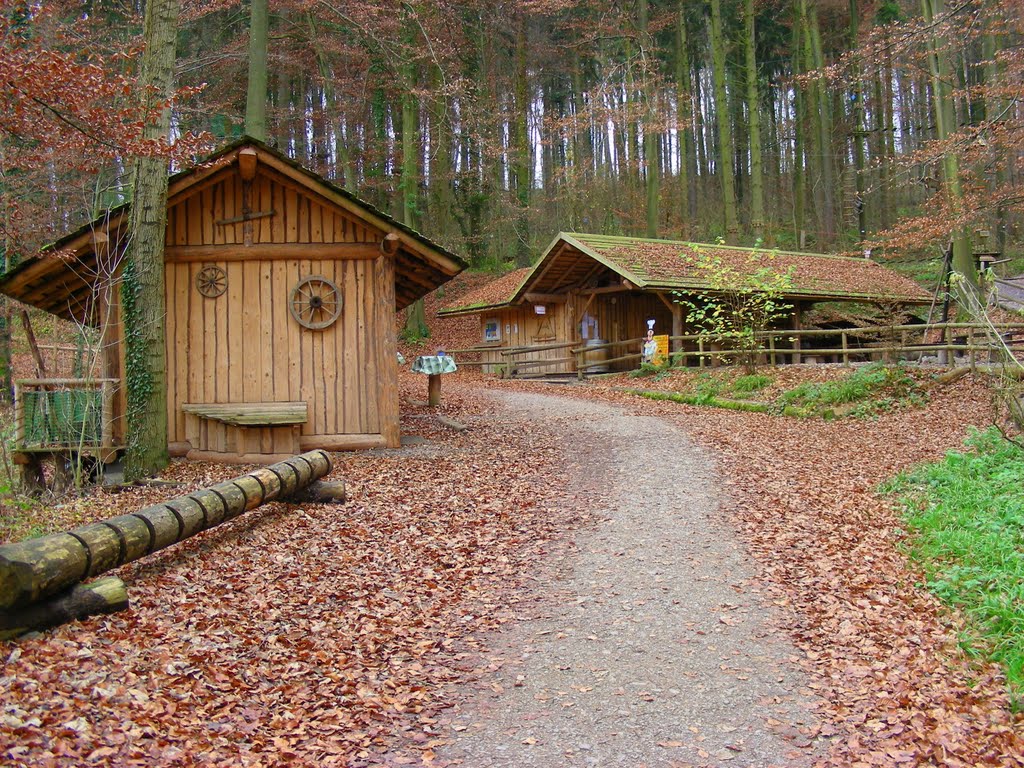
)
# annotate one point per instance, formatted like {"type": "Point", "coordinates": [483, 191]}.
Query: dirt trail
{"type": "Point", "coordinates": [653, 646]}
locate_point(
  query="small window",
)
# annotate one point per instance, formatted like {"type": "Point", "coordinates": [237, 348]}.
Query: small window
{"type": "Point", "coordinates": [492, 330]}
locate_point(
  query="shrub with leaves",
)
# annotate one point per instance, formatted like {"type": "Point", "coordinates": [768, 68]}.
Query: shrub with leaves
{"type": "Point", "coordinates": [741, 300]}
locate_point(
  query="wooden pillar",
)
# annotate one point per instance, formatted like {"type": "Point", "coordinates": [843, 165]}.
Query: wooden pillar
{"type": "Point", "coordinates": [797, 326]}
{"type": "Point", "coordinates": [434, 390]}
{"type": "Point", "coordinates": [677, 326]}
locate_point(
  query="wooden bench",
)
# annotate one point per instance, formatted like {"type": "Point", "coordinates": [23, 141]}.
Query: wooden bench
{"type": "Point", "coordinates": [247, 428]}
{"type": "Point", "coordinates": [251, 414]}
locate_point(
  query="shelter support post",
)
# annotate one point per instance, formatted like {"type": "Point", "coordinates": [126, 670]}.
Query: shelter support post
{"type": "Point", "coordinates": [434, 390]}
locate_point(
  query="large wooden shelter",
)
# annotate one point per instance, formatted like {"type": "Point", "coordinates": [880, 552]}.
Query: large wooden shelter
{"type": "Point", "coordinates": [597, 290]}
{"type": "Point", "coordinates": [281, 293]}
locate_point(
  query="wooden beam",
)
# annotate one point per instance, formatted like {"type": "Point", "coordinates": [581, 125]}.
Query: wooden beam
{"type": "Point", "coordinates": [26, 323]}
{"type": "Point", "coordinates": [390, 244]}
{"type": "Point", "coordinates": [181, 254]}
{"type": "Point", "coordinates": [545, 298]}
{"type": "Point", "coordinates": [605, 289]}
{"type": "Point", "coordinates": [244, 217]}
{"type": "Point", "coordinates": [247, 161]}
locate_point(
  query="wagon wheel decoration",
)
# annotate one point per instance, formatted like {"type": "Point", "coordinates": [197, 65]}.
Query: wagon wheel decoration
{"type": "Point", "coordinates": [315, 302]}
{"type": "Point", "coordinates": [211, 282]}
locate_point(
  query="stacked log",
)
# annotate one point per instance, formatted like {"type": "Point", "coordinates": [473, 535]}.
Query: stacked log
{"type": "Point", "coordinates": [34, 570]}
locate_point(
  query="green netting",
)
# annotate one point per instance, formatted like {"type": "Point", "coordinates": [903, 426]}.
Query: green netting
{"type": "Point", "coordinates": [70, 417]}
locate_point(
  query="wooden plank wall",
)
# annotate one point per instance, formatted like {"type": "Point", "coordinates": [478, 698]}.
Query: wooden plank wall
{"type": "Point", "coordinates": [244, 346]}
{"type": "Point", "coordinates": [623, 319]}
{"type": "Point", "coordinates": [521, 326]}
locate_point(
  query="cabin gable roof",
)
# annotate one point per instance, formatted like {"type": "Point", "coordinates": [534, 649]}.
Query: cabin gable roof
{"type": "Point", "coordinates": [580, 261]}
{"type": "Point", "coordinates": [63, 277]}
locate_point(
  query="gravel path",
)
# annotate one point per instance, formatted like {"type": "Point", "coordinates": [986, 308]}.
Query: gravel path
{"type": "Point", "coordinates": [652, 646]}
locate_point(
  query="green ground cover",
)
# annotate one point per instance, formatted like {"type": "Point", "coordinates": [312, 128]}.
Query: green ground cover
{"type": "Point", "coordinates": [965, 516]}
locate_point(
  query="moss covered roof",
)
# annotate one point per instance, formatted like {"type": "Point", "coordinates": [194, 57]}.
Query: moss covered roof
{"type": "Point", "coordinates": [671, 265]}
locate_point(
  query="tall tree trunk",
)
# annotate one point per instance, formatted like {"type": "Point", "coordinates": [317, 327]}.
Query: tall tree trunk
{"type": "Point", "coordinates": [858, 132]}
{"type": "Point", "coordinates": [684, 122]}
{"type": "Point", "coordinates": [143, 277]}
{"type": "Point", "coordinates": [799, 144]}
{"type": "Point", "coordinates": [754, 124]}
{"type": "Point", "coordinates": [945, 125]}
{"type": "Point", "coordinates": [416, 318]}
{"type": "Point", "coordinates": [651, 135]}
{"type": "Point", "coordinates": [725, 167]}
{"type": "Point", "coordinates": [256, 95]}
{"type": "Point", "coordinates": [521, 156]}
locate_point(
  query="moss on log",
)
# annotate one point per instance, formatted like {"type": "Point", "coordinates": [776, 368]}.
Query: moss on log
{"type": "Point", "coordinates": [105, 595]}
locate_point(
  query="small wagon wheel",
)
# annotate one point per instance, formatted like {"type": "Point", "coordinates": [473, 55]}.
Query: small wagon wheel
{"type": "Point", "coordinates": [315, 302]}
{"type": "Point", "coordinates": [211, 281]}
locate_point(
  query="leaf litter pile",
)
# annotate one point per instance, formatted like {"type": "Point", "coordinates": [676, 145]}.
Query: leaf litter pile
{"type": "Point", "coordinates": [879, 649]}
{"type": "Point", "coordinates": [305, 635]}
{"type": "Point", "coordinates": [338, 635]}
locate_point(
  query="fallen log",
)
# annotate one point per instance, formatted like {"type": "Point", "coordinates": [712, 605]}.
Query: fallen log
{"type": "Point", "coordinates": [38, 568]}
{"type": "Point", "coordinates": [106, 595]}
{"type": "Point", "coordinates": [321, 492]}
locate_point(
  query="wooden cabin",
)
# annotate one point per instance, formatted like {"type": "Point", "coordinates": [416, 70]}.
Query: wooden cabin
{"type": "Point", "coordinates": [281, 293]}
{"type": "Point", "coordinates": [603, 291]}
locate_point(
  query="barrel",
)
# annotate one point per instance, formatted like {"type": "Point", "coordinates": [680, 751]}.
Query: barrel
{"type": "Point", "coordinates": [597, 359]}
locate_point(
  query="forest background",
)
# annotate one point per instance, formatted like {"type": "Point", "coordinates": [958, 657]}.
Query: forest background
{"type": "Point", "coordinates": [828, 125]}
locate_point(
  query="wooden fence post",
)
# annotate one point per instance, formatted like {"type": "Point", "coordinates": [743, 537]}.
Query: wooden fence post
{"type": "Point", "coordinates": [846, 352]}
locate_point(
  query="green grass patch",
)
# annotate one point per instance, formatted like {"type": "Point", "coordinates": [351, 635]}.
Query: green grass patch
{"type": "Point", "coordinates": [746, 385]}
{"type": "Point", "coordinates": [717, 402]}
{"type": "Point", "coordinates": [875, 389]}
{"type": "Point", "coordinates": [965, 515]}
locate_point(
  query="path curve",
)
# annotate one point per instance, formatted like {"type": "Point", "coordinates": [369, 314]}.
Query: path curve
{"type": "Point", "coordinates": [653, 645]}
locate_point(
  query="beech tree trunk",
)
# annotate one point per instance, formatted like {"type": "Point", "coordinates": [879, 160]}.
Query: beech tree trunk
{"type": "Point", "coordinates": [143, 275]}
{"type": "Point", "coordinates": [754, 111]}
{"type": "Point", "coordinates": [256, 95]}
{"type": "Point", "coordinates": [38, 568]}
{"type": "Point", "coordinates": [725, 168]}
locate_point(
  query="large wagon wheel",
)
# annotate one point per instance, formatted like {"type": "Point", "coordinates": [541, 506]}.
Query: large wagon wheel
{"type": "Point", "coordinates": [315, 302]}
{"type": "Point", "coordinates": [211, 281]}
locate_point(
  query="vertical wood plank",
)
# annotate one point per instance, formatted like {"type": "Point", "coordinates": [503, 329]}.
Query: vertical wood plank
{"type": "Point", "coordinates": [266, 203]}
{"type": "Point", "coordinates": [195, 220]}
{"type": "Point", "coordinates": [370, 345]}
{"type": "Point", "coordinates": [316, 227]}
{"type": "Point", "coordinates": [280, 320]}
{"type": "Point", "coordinates": [235, 340]}
{"type": "Point", "coordinates": [268, 350]}
{"type": "Point", "coordinates": [170, 347]}
{"type": "Point", "coordinates": [194, 324]}
{"type": "Point", "coordinates": [277, 222]}
{"type": "Point", "coordinates": [217, 192]}
{"type": "Point", "coordinates": [303, 222]}
{"type": "Point", "coordinates": [330, 336]}
{"type": "Point", "coordinates": [251, 331]}
{"type": "Point", "coordinates": [307, 391]}
{"type": "Point", "coordinates": [230, 206]}
{"type": "Point", "coordinates": [180, 224]}
{"type": "Point", "coordinates": [387, 347]}
{"type": "Point", "coordinates": [350, 363]}
{"type": "Point", "coordinates": [291, 229]}
{"type": "Point", "coordinates": [206, 209]}
{"type": "Point", "coordinates": [294, 345]}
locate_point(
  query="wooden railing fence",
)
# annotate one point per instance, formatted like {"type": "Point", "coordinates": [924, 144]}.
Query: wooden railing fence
{"type": "Point", "coordinates": [949, 343]}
